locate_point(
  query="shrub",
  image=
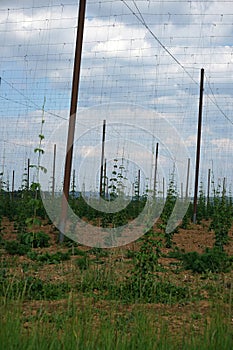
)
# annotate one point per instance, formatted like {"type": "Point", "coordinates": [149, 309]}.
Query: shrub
{"type": "Point", "coordinates": [48, 258]}
{"type": "Point", "coordinates": [213, 260]}
{"type": "Point", "coordinates": [16, 248]}
{"type": "Point", "coordinates": [35, 239]}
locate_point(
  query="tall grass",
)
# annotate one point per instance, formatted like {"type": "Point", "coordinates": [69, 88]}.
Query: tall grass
{"type": "Point", "coordinates": [85, 328]}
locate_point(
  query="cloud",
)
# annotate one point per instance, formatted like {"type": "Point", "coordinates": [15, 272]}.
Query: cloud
{"type": "Point", "coordinates": [223, 145]}
{"type": "Point", "coordinates": [122, 62]}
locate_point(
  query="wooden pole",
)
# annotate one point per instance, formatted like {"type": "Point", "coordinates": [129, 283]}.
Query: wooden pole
{"type": "Point", "coordinates": [198, 150]}
{"type": "Point", "coordinates": [28, 174]}
{"type": "Point", "coordinates": [187, 180]}
{"type": "Point", "coordinates": [102, 159]}
{"type": "Point", "coordinates": [73, 184]}
{"type": "Point", "coordinates": [139, 182]}
{"type": "Point", "coordinates": [224, 185]}
{"type": "Point", "coordinates": [105, 177]}
{"type": "Point", "coordinates": [13, 185]}
{"type": "Point", "coordinates": [156, 166]}
{"type": "Point", "coordinates": [208, 187]}
{"type": "Point", "coordinates": [54, 169]}
{"type": "Point", "coordinates": [72, 119]}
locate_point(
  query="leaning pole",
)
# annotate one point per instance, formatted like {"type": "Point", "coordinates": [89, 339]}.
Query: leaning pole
{"type": "Point", "coordinates": [72, 118]}
{"type": "Point", "coordinates": [198, 150]}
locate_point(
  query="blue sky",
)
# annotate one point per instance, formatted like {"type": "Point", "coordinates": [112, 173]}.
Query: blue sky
{"type": "Point", "coordinates": [144, 53]}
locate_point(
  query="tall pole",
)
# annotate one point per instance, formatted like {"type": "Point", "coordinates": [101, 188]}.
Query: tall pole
{"type": "Point", "coordinates": [208, 187]}
{"type": "Point", "coordinates": [102, 159]}
{"type": "Point", "coordinates": [156, 166]}
{"type": "Point", "coordinates": [73, 184]}
{"type": "Point", "coordinates": [105, 177]}
{"type": "Point", "coordinates": [72, 119]}
{"type": "Point", "coordinates": [13, 185]}
{"type": "Point", "coordinates": [28, 174]}
{"type": "Point", "coordinates": [139, 182]}
{"type": "Point", "coordinates": [224, 185]}
{"type": "Point", "coordinates": [54, 169]}
{"type": "Point", "coordinates": [181, 190]}
{"type": "Point", "coordinates": [198, 150]}
{"type": "Point", "coordinates": [187, 180]}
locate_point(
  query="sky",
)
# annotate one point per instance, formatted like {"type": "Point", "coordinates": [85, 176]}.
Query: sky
{"type": "Point", "coordinates": [141, 64]}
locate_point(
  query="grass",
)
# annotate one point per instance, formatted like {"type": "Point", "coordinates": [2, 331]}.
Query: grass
{"type": "Point", "coordinates": [63, 297]}
{"type": "Point", "coordinates": [82, 325]}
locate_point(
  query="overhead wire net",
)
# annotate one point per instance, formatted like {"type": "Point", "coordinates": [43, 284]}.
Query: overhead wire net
{"type": "Point", "coordinates": [141, 61]}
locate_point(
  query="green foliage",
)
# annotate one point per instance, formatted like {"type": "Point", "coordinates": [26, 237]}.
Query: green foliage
{"type": "Point", "coordinates": [222, 218]}
{"type": "Point", "coordinates": [212, 260]}
{"type": "Point", "coordinates": [143, 284]}
{"type": "Point", "coordinates": [201, 205]}
{"type": "Point", "coordinates": [100, 282]}
{"type": "Point", "coordinates": [99, 252]}
{"type": "Point", "coordinates": [76, 251]}
{"type": "Point", "coordinates": [16, 248]}
{"type": "Point", "coordinates": [154, 290]}
{"type": "Point", "coordinates": [32, 288]}
{"type": "Point", "coordinates": [83, 263]}
{"type": "Point", "coordinates": [48, 258]}
{"type": "Point", "coordinates": [167, 211]}
{"type": "Point", "coordinates": [35, 239]}
{"type": "Point", "coordinates": [187, 218]}
{"type": "Point", "coordinates": [68, 242]}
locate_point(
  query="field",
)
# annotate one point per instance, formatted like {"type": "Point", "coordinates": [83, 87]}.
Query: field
{"type": "Point", "coordinates": [159, 292]}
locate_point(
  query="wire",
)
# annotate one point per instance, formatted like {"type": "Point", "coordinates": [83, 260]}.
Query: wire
{"type": "Point", "coordinates": [27, 98]}
{"type": "Point", "coordinates": [143, 22]}
{"type": "Point", "coordinates": [215, 102]}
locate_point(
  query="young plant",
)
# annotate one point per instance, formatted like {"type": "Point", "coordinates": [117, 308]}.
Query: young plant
{"type": "Point", "coordinates": [222, 218]}
{"type": "Point", "coordinates": [167, 210]}
{"type": "Point", "coordinates": [35, 201]}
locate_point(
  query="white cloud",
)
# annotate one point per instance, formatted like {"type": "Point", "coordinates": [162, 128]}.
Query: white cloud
{"type": "Point", "coordinates": [122, 62]}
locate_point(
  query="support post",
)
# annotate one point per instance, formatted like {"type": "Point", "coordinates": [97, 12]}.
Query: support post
{"type": "Point", "coordinates": [54, 169]}
{"type": "Point", "coordinates": [139, 182]}
{"type": "Point", "coordinates": [73, 184]}
{"type": "Point", "coordinates": [28, 174]}
{"type": "Point", "coordinates": [224, 185]}
{"type": "Point", "coordinates": [102, 159]}
{"type": "Point", "coordinates": [208, 187]}
{"type": "Point", "coordinates": [72, 119]}
{"type": "Point", "coordinates": [105, 177]}
{"type": "Point", "coordinates": [187, 180]}
{"type": "Point", "coordinates": [13, 185]}
{"type": "Point", "coordinates": [156, 166]}
{"type": "Point", "coordinates": [198, 150]}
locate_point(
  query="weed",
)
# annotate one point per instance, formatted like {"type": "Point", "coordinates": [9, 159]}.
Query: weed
{"type": "Point", "coordinates": [213, 260]}
{"type": "Point", "coordinates": [35, 239]}
{"type": "Point", "coordinates": [16, 248]}
{"type": "Point", "coordinates": [83, 263]}
{"type": "Point", "coordinates": [48, 258]}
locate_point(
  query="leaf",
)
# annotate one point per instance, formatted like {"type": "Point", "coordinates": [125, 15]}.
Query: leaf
{"type": "Point", "coordinates": [29, 221]}
{"type": "Point", "coordinates": [35, 186]}
{"type": "Point", "coordinates": [42, 168]}
{"type": "Point", "coordinates": [40, 150]}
